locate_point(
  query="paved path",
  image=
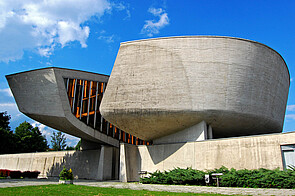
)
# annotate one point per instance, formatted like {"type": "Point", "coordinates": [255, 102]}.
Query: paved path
{"type": "Point", "coordinates": [137, 186]}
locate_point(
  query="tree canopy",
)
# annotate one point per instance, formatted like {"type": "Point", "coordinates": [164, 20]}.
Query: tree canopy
{"type": "Point", "coordinates": [4, 121]}
{"type": "Point", "coordinates": [30, 138]}
{"type": "Point", "coordinates": [26, 138]}
{"type": "Point", "coordinates": [58, 141]}
{"type": "Point", "coordinates": [7, 138]}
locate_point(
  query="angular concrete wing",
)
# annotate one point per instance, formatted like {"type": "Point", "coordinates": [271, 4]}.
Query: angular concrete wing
{"type": "Point", "coordinates": [164, 85]}
{"type": "Point", "coordinates": [42, 95]}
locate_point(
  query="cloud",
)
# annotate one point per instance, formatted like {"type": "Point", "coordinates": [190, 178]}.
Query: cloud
{"type": "Point", "coordinates": [42, 25]}
{"type": "Point", "coordinates": [122, 6]}
{"type": "Point", "coordinates": [41, 127]}
{"type": "Point", "coordinates": [6, 91]}
{"type": "Point", "coordinates": [290, 116]}
{"type": "Point", "coordinates": [11, 109]}
{"type": "Point", "coordinates": [72, 140]}
{"type": "Point", "coordinates": [152, 27]}
{"type": "Point", "coordinates": [108, 39]}
{"type": "Point", "coordinates": [48, 132]}
{"type": "Point", "coordinates": [291, 108]}
{"type": "Point", "coordinates": [7, 105]}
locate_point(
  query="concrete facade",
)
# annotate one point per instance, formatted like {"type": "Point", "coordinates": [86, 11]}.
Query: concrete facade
{"type": "Point", "coordinates": [253, 152]}
{"type": "Point", "coordinates": [99, 164]}
{"type": "Point", "coordinates": [164, 85]}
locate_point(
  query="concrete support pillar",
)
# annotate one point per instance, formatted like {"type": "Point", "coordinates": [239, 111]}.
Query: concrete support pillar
{"type": "Point", "coordinates": [105, 163]}
{"type": "Point", "coordinates": [129, 163]}
{"type": "Point", "coordinates": [108, 159]}
{"type": "Point", "coordinates": [210, 132]}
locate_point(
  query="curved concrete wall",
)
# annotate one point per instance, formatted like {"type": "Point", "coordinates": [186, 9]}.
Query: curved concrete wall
{"type": "Point", "coordinates": [160, 86]}
{"type": "Point", "coordinates": [41, 94]}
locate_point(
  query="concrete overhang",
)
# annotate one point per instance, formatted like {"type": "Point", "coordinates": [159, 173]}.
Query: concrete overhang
{"type": "Point", "coordinates": [41, 95]}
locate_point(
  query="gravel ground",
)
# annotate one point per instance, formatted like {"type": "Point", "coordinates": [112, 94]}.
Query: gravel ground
{"type": "Point", "coordinates": [137, 186]}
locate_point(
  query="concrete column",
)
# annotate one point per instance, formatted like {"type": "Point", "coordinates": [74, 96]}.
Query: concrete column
{"type": "Point", "coordinates": [129, 163]}
{"type": "Point", "coordinates": [210, 132]}
{"type": "Point", "coordinates": [105, 163]}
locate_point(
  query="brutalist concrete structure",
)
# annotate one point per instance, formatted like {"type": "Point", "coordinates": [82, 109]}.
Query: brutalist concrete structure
{"type": "Point", "coordinates": [187, 96]}
{"type": "Point", "coordinates": [161, 86]}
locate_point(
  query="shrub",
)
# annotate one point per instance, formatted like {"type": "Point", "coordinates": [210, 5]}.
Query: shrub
{"type": "Point", "coordinates": [30, 174]}
{"type": "Point", "coordinates": [257, 178]}
{"type": "Point", "coordinates": [15, 174]}
{"type": "Point", "coordinates": [66, 174]}
{"type": "Point", "coordinates": [176, 176]}
{"type": "Point", "coordinates": [4, 172]}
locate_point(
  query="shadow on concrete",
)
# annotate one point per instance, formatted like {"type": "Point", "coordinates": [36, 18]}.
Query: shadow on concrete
{"type": "Point", "coordinates": [160, 152]}
{"type": "Point", "coordinates": [84, 164]}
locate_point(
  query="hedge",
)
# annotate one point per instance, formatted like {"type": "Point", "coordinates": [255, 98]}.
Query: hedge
{"type": "Point", "coordinates": [18, 174]}
{"type": "Point", "coordinates": [257, 178]}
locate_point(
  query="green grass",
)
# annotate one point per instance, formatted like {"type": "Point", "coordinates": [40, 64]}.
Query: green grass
{"type": "Point", "coordinates": [82, 190]}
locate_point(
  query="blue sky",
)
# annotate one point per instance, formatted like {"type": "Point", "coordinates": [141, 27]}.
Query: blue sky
{"type": "Point", "coordinates": [86, 34]}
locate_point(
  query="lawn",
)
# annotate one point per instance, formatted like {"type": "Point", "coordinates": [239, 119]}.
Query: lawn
{"type": "Point", "coordinates": [82, 190]}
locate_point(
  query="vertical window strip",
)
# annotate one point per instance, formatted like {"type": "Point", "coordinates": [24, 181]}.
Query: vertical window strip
{"type": "Point", "coordinates": [67, 88]}
{"type": "Point", "coordinates": [74, 95]}
{"type": "Point", "coordinates": [81, 102]}
{"type": "Point", "coordinates": [95, 108]}
{"type": "Point", "coordinates": [101, 118]}
{"type": "Point", "coordinates": [89, 102]}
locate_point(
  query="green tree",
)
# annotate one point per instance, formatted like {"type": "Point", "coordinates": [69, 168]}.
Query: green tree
{"type": "Point", "coordinates": [58, 141]}
{"type": "Point", "coordinates": [7, 138]}
{"type": "Point", "coordinates": [30, 138]}
{"type": "Point", "coordinates": [70, 148]}
{"type": "Point", "coordinates": [4, 121]}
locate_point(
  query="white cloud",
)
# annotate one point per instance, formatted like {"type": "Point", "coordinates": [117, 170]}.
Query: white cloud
{"type": "Point", "coordinates": [122, 6]}
{"type": "Point", "coordinates": [7, 105]}
{"type": "Point", "coordinates": [6, 91]}
{"type": "Point", "coordinates": [43, 25]}
{"type": "Point", "coordinates": [290, 116]}
{"type": "Point", "coordinates": [291, 108]}
{"type": "Point", "coordinates": [152, 27]}
{"type": "Point", "coordinates": [11, 109]}
{"type": "Point", "coordinates": [71, 140]}
{"type": "Point", "coordinates": [41, 127]}
{"type": "Point", "coordinates": [108, 39]}
{"type": "Point", "coordinates": [48, 132]}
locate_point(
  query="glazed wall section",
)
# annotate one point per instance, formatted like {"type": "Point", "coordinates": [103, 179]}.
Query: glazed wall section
{"type": "Point", "coordinates": [84, 98]}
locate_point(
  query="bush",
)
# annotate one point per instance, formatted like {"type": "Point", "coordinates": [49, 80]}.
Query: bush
{"type": "Point", "coordinates": [15, 174]}
{"type": "Point", "coordinates": [4, 172]}
{"type": "Point", "coordinates": [66, 174]}
{"type": "Point", "coordinates": [30, 174]}
{"type": "Point", "coordinates": [257, 178]}
{"type": "Point", "coordinates": [18, 174]}
{"type": "Point", "coordinates": [176, 176]}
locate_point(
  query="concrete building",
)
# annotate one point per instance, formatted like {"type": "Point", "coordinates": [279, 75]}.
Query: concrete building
{"type": "Point", "coordinates": [193, 101]}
